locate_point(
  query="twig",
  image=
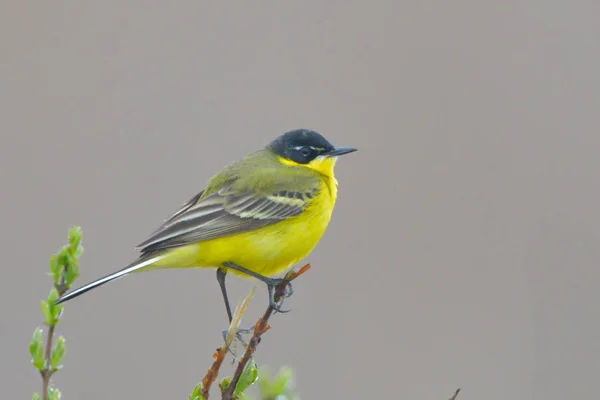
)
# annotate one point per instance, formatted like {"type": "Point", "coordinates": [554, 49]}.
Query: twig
{"type": "Point", "coordinates": [455, 394]}
{"type": "Point", "coordinates": [260, 328]}
{"type": "Point", "coordinates": [221, 352]}
{"type": "Point", "coordinates": [47, 371]}
{"type": "Point", "coordinates": [213, 371]}
{"type": "Point", "coordinates": [47, 356]}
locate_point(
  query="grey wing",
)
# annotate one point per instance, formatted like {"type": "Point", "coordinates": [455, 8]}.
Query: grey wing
{"type": "Point", "coordinates": [221, 214]}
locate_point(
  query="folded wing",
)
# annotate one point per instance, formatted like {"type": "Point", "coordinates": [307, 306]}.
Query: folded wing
{"type": "Point", "coordinates": [225, 212]}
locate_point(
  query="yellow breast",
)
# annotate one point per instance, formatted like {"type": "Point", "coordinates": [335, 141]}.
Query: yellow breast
{"type": "Point", "coordinates": [272, 249]}
{"type": "Point", "coordinates": [269, 250]}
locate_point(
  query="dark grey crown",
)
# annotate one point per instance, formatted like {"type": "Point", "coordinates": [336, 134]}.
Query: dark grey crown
{"type": "Point", "coordinates": [300, 145]}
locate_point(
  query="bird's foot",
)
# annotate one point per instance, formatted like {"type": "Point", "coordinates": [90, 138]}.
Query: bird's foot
{"type": "Point", "coordinates": [288, 292]}
{"type": "Point", "coordinates": [238, 334]}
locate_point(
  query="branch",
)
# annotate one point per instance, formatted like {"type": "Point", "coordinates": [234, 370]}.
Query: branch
{"type": "Point", "coordinates": [455, 394]}
{"type": "Point", "coordinates": [46, 372]}
{"type": "Point", "coordinates": [245, 372]}
{"type": "Point", "coordinates": [260, 328]}
{"type": "Point", "coordinates": [219, 355]}
{"type": "Point", "coordinates": [64, 269]}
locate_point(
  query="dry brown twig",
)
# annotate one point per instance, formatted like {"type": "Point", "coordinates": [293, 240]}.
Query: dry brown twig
{"type": "Point", "coordinates": [260, 328]}
{"type": "Point", "coordinates": [221, 352]}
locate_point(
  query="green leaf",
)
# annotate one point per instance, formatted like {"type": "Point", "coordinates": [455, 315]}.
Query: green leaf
{"type": "Point", "coordinates": [54, 394]}
{"type": "Point", "coordinates": [71, 267]}
{"type": "Point", "coordinates": [65, 263]}
{"type": "Point", "coordinates": [264, 382]}
{"type": "Point", "coordinates": [53, 296]}
{"type": "Point", "coordinates": [58, 352]}
{"type": "Point", "coordinates": [36, 396]}
{"type": "Point", "coordinates": [78, 252]}
{"type": "Point", "coordinates": [283, 381]}
{"type": "Point", "coordinates": [247, 378]}
{"type": "Point", "coordinates": [224, 384]}
{"type": "Point", "coordinates": [47, 313]}
{"type": "Point", "coordinates": [75, 237]}
{"type": "Point", "coordinates": [71, 271]}
{"type": "Point", "coordinates": [55, 269]}
{"type": "Point", "coordinates": [50, 309]}
{"type": "Point", "coordinates": [37, 337]}
{"type": "Point", "coordinates": [36, 349]}
{"type": "Point", "coordinates": [62, 256]}
{"type": "Point", "coordinates": [280, 385]}
{"type": "Point", "coordinates": [196, 393]}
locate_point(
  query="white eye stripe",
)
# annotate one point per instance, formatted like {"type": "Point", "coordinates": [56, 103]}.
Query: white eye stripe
{"type": "Point", "coordinates": [310, 147]}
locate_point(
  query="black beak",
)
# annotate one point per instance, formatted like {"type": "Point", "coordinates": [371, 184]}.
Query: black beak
{"type": "Point", "coordinates": [338, 151]}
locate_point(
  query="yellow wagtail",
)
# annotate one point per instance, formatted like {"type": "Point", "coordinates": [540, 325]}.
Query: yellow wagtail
{"type": "Point", "coordinates": [256, 218]}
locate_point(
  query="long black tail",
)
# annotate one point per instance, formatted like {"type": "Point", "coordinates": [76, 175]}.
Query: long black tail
{"type": "Point", "coordinates": [137, 264]}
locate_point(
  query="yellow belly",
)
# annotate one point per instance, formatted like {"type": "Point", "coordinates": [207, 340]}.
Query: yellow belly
{"type": "Point", "coordinates": [269, 250]}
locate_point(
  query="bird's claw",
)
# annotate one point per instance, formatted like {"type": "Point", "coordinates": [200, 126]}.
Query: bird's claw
{"type": "Point", "coordinates": [289, 290]}
{"type": "Point", "coordinates": [238, 334]}
{"type": "Point", "coordinates": [277, 307]}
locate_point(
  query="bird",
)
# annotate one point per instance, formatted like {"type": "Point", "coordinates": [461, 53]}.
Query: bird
{"type": "Point", "coordinates": [255, 218]}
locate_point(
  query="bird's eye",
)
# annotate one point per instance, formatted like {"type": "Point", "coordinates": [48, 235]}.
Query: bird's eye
{"type": "Point", "coordinates": [306, 151]}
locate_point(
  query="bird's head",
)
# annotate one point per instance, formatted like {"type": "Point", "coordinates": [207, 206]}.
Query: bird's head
{"type": "Point", "coordinates": [303, 147]}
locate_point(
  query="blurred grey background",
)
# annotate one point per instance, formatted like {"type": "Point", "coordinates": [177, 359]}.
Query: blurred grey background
{"type": "Point", "coordinates": [463, 251]}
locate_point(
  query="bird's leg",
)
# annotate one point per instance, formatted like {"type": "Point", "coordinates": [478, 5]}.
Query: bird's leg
{"type": "Point", "coordinates": [221, 272]}
{"type": "Point", "coordinates": [270, 282]}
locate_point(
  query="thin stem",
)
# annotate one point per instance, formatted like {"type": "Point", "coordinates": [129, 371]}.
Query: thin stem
{"type": "Point", "coordinates": [259, 329]}
{"type": "Point", "coordinates": [219, 356]}
{"type": "Point", "coordinates": [47, 373]}
{"type": "Point", "coordinates": [213, 371]}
